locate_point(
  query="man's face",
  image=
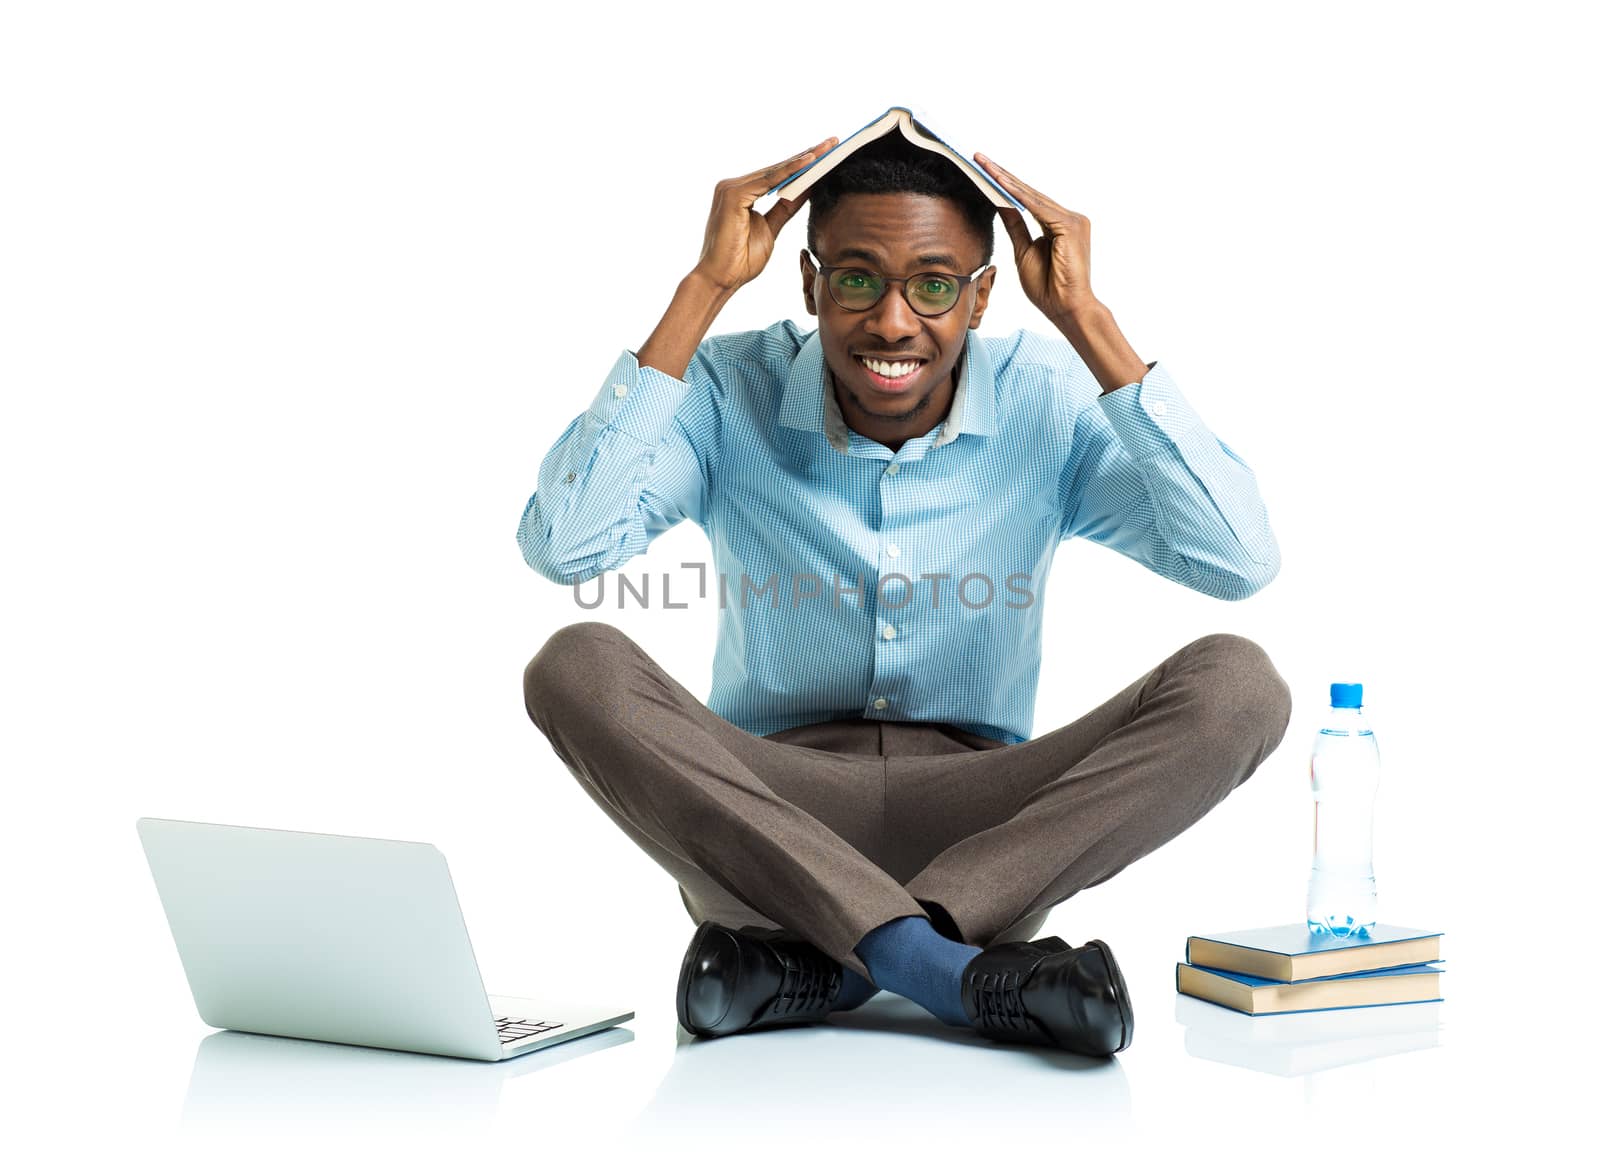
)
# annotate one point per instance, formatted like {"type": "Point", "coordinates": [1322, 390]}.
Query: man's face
{"type": "Point", "coordinates": [895, 235]}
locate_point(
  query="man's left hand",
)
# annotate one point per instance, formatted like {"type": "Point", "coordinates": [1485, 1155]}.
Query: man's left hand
{"type": "Point", "coordinates": [1054, 269]}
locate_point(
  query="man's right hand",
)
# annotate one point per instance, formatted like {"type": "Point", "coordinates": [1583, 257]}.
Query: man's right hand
{"type": "Point", "coordinates": [739, 241]}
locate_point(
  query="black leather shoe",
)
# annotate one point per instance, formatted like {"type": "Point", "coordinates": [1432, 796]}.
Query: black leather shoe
{"type": "Point", "coordinates": [1047, 993]}
{"type": "Point", "coordinates": [752, 978]}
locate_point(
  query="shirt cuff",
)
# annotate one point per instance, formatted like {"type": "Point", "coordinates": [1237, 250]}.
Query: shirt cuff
{"type": "Point", "coordinates": [639, 401]}
{"type": "Point", "coordinates": [1152, 417]}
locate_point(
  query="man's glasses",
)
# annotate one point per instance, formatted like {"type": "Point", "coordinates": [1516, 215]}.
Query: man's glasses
{"type": "Point", "coordinates": [856, 289]}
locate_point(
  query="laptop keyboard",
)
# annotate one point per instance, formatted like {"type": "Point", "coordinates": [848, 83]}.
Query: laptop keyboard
{"type": "Point", "coordinates": [515, 1029]}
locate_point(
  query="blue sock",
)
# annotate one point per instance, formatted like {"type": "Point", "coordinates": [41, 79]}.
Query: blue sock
{"type": "Point", "coordinates": [907, 956]}
{"type": "Point", "coordinates": [855, 991]}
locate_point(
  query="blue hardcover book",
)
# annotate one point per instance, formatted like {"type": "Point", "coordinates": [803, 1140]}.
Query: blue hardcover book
{"type": "Point", "coordinates": [1292, 952]}
{"type": "Point", "coordinates": [893, 119]}
{"type": "Point", "coordinates": [1259, 996]}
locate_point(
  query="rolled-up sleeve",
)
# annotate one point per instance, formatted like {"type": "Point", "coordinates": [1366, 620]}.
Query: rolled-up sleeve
{"type": "Point", "coordinates": [640, 459]}
{"type": "Point", "coordinates": [1147, 478]}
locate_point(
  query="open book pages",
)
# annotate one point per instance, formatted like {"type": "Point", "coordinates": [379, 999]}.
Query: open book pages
{"type": "Point", "coordinates": [896, 119]}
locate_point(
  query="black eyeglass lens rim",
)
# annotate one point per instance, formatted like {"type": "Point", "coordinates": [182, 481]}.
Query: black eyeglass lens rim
{"type": "Point", "coordinates": [835, 275]}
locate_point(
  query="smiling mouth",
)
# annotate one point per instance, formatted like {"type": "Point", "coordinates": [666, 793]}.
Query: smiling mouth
{"type": "Point", "coordinates": [887, 383]}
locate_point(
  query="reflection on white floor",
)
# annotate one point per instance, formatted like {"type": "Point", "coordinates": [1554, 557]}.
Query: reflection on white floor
{"type": "Point", "coordinates": [856, 1069]}
{"type": "Point", "coordinates": [1292, 1044]}
{"type": "Point", "coordinates": [887, 1063]}
{"type": "Point", "coordinates": [878, 1074]}
{"type": "Point", "coordinates": [255, 1080]}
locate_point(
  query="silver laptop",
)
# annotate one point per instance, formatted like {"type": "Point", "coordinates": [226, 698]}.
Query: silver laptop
{"type": "Point", "coordinates": [339, 939]}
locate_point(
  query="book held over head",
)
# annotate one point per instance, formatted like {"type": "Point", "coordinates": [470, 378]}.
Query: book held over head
{"type": "Point", "coordinates": [896, 119]}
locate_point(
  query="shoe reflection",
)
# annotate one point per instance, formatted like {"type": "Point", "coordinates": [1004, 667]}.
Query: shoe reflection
{"type": "Point", "coordinates": [888, 1064]}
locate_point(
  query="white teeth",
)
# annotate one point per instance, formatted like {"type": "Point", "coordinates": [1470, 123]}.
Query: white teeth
{"type": "Point", "coordinates": [889, 369]}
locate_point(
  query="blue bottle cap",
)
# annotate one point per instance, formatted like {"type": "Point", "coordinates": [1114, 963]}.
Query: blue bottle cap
{"type": "Point", "coordinates": [1346, 695]}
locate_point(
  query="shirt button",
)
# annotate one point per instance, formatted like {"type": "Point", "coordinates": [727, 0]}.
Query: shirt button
{"type": "Point", "coordinates": [891, 469]}
{"type": "Point", "coordinates": [571, 476]}
{"type": "Point", "coordinates": [893, 550]}
{"type": "Point", "coordinates": [888, 632]}
{"type": "Point", "coordinates": [619, 390]}
{"type": "Point", "coordinates": [880, 702]}
{"type": "Point", "coordinates": [1158, 409]}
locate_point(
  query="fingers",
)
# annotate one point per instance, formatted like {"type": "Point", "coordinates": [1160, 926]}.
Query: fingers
{"type": "Point", "coordinates": [768, 176]}
{"type": "Point", "coordinates": [1017, 229]}
{"type": "Point", "coordinates": [782, 212]}
{"type": "Point", "coordinates": [1026, 195]}
{"type": "Point", "coordinates": [1051, 215]}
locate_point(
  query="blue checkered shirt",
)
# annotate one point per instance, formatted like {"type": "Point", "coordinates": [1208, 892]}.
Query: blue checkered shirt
{"type": "Point", "coordinates": [856, 581]}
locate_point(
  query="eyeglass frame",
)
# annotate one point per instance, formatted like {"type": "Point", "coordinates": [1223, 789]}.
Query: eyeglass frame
{"type": "Point", "coordinates": [960, 281]}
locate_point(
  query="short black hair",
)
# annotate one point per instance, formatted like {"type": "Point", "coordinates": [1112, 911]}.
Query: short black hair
{"type": "Point", "coordinates": [894, 164]}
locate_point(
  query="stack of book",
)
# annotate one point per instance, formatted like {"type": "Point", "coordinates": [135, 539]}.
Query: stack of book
{"type": "Point", "coordinates": [1289, 969]}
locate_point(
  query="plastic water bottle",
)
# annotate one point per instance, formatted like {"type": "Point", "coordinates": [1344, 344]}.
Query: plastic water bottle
{"type": "Point", "coordinates": [1343, 895]}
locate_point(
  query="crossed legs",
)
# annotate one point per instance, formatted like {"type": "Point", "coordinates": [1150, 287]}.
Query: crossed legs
{"type": "Point", "coordinates": [830, 845]}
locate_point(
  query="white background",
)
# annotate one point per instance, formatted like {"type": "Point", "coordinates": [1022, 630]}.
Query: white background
{"type": "Point", "coordinates": [297, 296]}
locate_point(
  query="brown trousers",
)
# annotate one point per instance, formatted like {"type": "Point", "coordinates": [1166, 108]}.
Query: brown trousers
{"type": "Point", "coordinates": [831, 829]}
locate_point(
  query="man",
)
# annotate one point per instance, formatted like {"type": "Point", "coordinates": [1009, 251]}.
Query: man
{"type": "Point", "coordinates": [858, 805]}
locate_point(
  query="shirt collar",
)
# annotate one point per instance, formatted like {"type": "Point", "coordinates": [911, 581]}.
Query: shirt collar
{"type": "Point", "coordinates": [809, 403]}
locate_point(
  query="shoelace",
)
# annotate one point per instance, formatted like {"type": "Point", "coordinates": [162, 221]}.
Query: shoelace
{"type": "Point", "coordinates": [807, 985]}
{"type": "Point", "coordinates": [999, 1005]}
